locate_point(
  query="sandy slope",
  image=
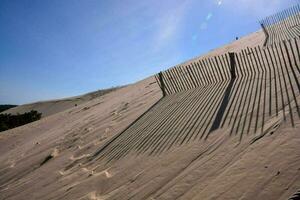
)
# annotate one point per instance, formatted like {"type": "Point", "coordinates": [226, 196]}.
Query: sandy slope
{"type": "Point", "coordinates": [51, 107]}
{"type": "Point", "coordinates": [56, 157]}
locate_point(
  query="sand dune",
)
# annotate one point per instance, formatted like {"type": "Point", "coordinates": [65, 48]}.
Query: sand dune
{"type": "Point", "coordinates": [51, 107]}
{"type": "Point", "coordinates": [111, 148]}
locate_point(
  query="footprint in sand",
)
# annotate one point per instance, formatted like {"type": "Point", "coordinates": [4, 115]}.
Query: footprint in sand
{"type": "Point", "coordinates": [93, 196]}
{"type": "Point", "coordinates": [92, 173]}
{"type": "Point", "coordinates": [79, 157]}
{"type": "Point", "coordinates": [12, 165]}
{"type": "Point", "coordinates": [54, 154]}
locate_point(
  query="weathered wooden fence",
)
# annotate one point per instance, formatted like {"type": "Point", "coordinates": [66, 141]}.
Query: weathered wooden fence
{"type": "Point", "coordinates": [201, 72]}
{"type": "Point", "coordinates": [247, 62]}
{"type": "Point", "coordinates": [209, 94]}
{"type": "Point", "coordinates": [282, 26]}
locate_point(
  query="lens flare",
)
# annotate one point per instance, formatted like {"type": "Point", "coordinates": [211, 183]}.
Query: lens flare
{"type": "Point", "coordinates": [209, 16]}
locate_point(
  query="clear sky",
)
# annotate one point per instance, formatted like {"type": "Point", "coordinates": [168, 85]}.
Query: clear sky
{"type": "Point", "coordinates": [59, 48]}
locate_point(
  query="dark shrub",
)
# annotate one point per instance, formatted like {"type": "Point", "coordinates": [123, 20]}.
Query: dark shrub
{"type": "Point", "coordinates": [8, 121]}
{"type": "Point", "coordinates": [6, 107]}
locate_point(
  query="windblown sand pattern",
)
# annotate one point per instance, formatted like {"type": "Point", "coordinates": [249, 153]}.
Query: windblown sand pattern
{"type": "Point", "coordinates": [202, 98]}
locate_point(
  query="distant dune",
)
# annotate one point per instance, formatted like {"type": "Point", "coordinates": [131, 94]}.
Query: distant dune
{"type": "Point", "coordinates": [51, 107]}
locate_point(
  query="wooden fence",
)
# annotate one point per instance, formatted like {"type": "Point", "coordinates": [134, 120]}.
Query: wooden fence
{"type": "Point", "coordinates": [201, 72]}
{"type": "Point", "coordinates": [282, 26]}
{"type": "Point", "coordinates": [208, 94]}
{"type": "Point", "coordinates": [247, 62]}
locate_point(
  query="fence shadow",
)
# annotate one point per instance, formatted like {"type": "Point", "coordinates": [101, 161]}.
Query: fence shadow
{"type": "Point", "coordinates": [221, 111]}
{"type": "Point", "coordinates": [201, 97]}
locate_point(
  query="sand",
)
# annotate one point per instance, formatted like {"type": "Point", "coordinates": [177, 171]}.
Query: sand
{"type": "Point", "coordinates": [83, 152]}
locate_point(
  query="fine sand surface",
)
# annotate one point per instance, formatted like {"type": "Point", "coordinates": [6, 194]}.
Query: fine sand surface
{"type": "Point", "coordinates": [84, 153]}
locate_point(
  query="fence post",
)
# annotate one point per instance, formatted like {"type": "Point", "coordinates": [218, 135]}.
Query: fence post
{"type": "Point", "coordinates": [266, 33]}
{"type": "Point", "coordinates": [232, 65]}
{"type": "Point", "coordinates": [163, 88]}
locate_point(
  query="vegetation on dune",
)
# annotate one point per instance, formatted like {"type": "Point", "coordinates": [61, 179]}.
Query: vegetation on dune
{"type": "Point", "coordinates": [8, 121]}
{"type": "Point", "coordinates": [6, 107]}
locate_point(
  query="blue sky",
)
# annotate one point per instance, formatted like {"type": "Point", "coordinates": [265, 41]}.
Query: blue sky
{"type": "Point", "coordinates": [58, 48]}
